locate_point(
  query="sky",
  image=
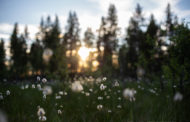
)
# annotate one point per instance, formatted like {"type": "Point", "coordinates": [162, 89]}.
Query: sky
{"type": "Point", "coordinates": [29, 12]}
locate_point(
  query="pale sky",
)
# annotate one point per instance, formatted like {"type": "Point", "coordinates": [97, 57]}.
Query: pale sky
{"type": "Point", "coordinates": [29, 12]}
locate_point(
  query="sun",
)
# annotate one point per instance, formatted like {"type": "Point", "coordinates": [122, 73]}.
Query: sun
{"type": "Point", "coordinates": [83, 53]}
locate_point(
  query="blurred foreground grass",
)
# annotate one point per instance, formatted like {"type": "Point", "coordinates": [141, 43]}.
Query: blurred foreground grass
{"type": "Point", "coordinates": [63, 104]}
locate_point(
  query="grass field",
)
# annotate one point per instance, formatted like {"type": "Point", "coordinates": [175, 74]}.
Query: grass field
{"type": "Point", "coordinates": [91, 100]}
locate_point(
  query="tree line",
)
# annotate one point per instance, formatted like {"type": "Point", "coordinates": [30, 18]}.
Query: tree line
{"type": "Point", "coordinates": [148, 51]}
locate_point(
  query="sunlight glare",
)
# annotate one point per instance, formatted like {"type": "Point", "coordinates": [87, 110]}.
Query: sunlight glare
{"type": "Point", "coordinates": [83, 53]}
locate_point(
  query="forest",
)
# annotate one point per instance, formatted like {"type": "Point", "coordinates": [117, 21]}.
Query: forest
{"type": "Point", "coordinates": [151, 56]}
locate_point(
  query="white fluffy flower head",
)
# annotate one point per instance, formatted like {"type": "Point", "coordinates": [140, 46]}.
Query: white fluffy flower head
{"type": "Point", "coordinates": [129, 94]}
{"type": "Point", "coordinates": [76, 86]}
{"type": "Point", "coordinates": [99, 107]}
{"type": "Point", "coordinates": [47, 90]}
{"type": "Point", "coordinates": [102, 87]}
{"type": "Point", "coordinates": [178, 96]}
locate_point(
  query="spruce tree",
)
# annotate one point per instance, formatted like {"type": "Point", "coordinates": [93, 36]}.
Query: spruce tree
{"type": "Point", "coordinates": [101, 37]}
{"type": "Point", "coordinates": [3, 71]}
{"type": "Point", "coordinates": [36, 60]}
{"type": "Point", "coordinates": [135, 41]}
{"type": "Point", "coordinates": [149, 49]}
{"type": "Point", "coordinates": [122, 60]}
{"type": "Point", "coordinates": [72, 41]}
{"type": "Point", "coordinates": [88, 42]}
{"type": "Point", "coordinates": [18, 54]}
{"type": "Point", "coordinates": [177, 70]}
{"type": "Point", "coordinates": [57, 64]}
{"type": "Point", "coordinates": [169, 21]}
{"type": "Point", "coordinates": [108, 38]}
{"type": "Point", "coordinates": [88, 38]}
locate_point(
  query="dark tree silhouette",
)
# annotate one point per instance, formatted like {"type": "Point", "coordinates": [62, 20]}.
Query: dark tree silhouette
{"type": "Point", "coordinates": [72, 41]}
{"type": "Point", "coordinates": [19, 55]}
{"type": "Point", "coordinates": [108, 33]}
{"type": "Point", "coordinates": [3, 71]}
{"type": "Point", "coordinates": [135, 40]}
{"type": "Point", "coordinates": [36, 60]}
{"type": "Point", "coordinates": [88, 38]}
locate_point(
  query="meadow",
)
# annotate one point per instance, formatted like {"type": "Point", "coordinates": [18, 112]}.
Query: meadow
{"type": "Point", "coordinates": [91, 100]}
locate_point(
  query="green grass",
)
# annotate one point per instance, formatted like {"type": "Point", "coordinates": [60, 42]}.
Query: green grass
{"type": "Point", "coordinates": [21, 105]}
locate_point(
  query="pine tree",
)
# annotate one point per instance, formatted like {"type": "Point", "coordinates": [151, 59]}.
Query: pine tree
{"type": "Point", "coordinates": [177, 70]}
{"type": "Point", "coordinates": [110, 44]}
{"type": "Point", "coordinates": [108, 37]}
{"type": "Point", "coordinates": [152, 27]}
{"type": "Point", "coordinates": [36, 60]}
{"type": "Point", "coordinates": [135, 41]}
{"type": "Point", "coordinates": [122, 60]}
{"type": "Point", "coordinates": [101, 37]}
{"type": "Point", "coordinates": [88, 38]}
{"type": "Point", "coordinates": [23, 55]}
{"type": "Point", "coordinates": [72, 41]}
{"type": "Point", "coordinates": [52, 50]}
{"type": "Point", "coordinates": [46, 32]}
{"type": "Point", "coordinates": [19, 55]}
{"type": "Point", "coordinates": [3, 71]}
{"type": "Point", "coordinates": [88, 42]}
{"type": "Point", "coordinates": [57, 64]}
{"type": "Point", "coordinates": [169, 21]}
{"type": "Point", "coordinates": [149, 45]}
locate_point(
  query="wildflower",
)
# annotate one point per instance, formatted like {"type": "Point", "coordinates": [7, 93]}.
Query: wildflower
{"type": "Point", "coordinates": [57, 97]}
{"type": "Point", "coordinates": [104, 79]}
{"type": "Point", "coordinates": [152, 91]}
{"type": "Point", "coordinates": [178, 96]}
{"type": "Point", "coordinates": [39, 87]}
{"type": "Point", "coordinates": [76, 86]}
{"type": "Point", "coordinates": [44, 96]}
{"type": "Point", "coordinates": [26, 86]}
{"type": "Point", "coordinates": [119, 98]}
{"type": "Point", "coordinates": [42, 118]}
{"type": "Point", "coordinates": [99, 107]}
{"type": "Point", "coordinates": [100, 98]}
{"type": "Point", "coordinates": [44, 80]}
{"type": "Point", "coordinates": [109, 111]}
{"type": "Point", "coordinates": [8, 92]}
{"type": "Point", "coordinates": [98, 80]}
{"type": "Point", "coordinates": [129, 94]}
{"type": "Point", "coordinates": [87, 94]}
{"type": "Point", "coordinates": [38, 78]}
{"type": "Point", "coordinates": [119, 91]}
{"type": "Point", "coordinates": [65, 93]}
{"type": "Point", "coordinates": [61, 92]}
{"type": "Point", "coordinates": [91, 90]}
{"type": "Point", "coordinates": [116, 84]}
{"type": "Point", "coordinates": [1, 96]}
{"type": "Point", "coordinates": [102, 87]}
{"type": "Point", "coordinates": [59, 111]}
{"type": "Point", "coordinates": [40, 111]}
{"type": "Point", "coordinates": [108, 97]}
{"type": "Point", "coordinates": [22, 87]}
{"type": "Point", "coordinates": [118, 106]}
{"type": "Point", "coordinates": [33, 86]}
{"type": "Point", "coordinates": [47, 90]}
